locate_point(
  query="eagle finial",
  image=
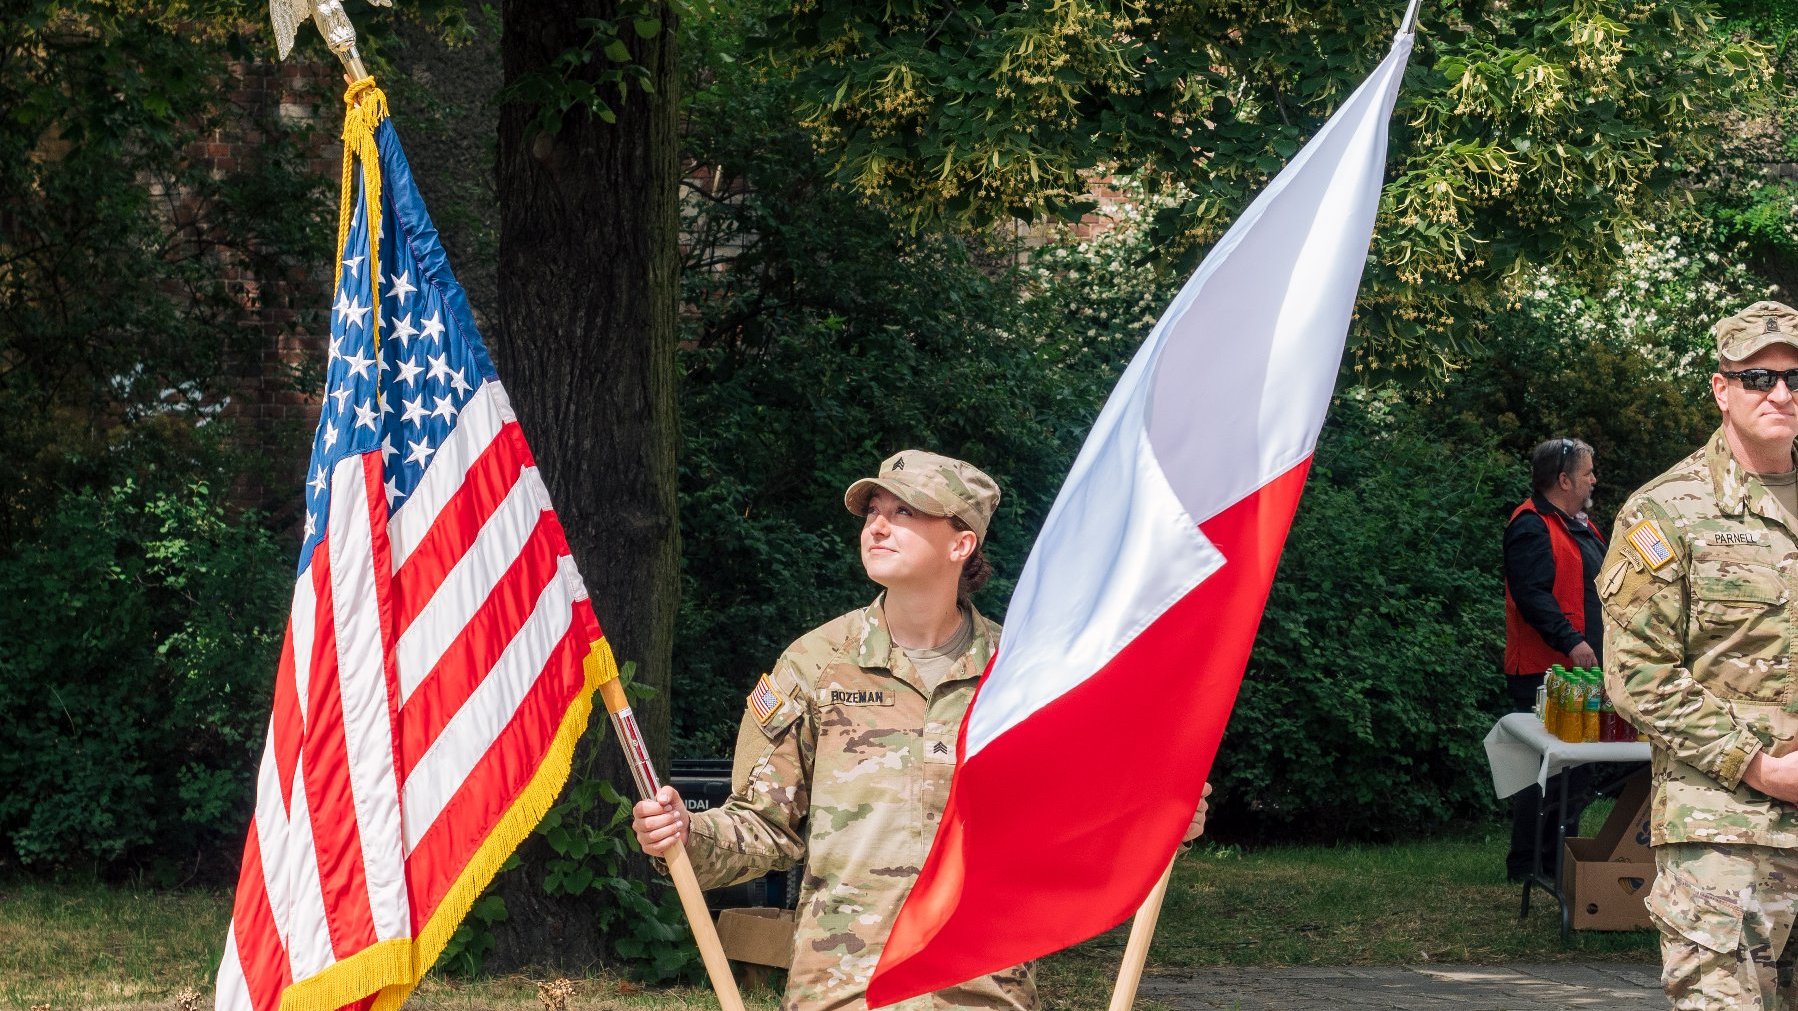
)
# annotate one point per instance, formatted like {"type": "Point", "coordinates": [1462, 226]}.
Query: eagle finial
{"type": "Point", "coordinates": [332, 23]}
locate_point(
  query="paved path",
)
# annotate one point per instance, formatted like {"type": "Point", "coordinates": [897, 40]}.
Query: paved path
{"type": "Point", "coordinates": [1614, 986]}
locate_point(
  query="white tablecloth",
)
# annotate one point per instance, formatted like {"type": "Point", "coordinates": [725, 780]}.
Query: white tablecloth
{"type": "Point", "coordinates": [1522, 751]}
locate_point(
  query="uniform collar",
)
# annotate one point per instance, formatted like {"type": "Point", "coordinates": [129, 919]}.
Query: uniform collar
{"type": "Point", "coordinates": [873, 644]}
{"type": "Point", "coordinates": [1737, 489]}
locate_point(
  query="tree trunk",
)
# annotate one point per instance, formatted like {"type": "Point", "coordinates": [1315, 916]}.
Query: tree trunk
{"type": "Point", "coordinates": [588, 287]}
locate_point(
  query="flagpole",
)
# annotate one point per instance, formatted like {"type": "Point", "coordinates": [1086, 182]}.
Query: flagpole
{"type": "Point", "coordinates": [1136, 951]}
{"type": "Point", "coordinates": [680, 868]}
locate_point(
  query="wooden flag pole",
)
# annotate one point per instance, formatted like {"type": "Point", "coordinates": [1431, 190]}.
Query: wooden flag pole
{"type": "Point", "coordinates": [705, 933]}
{"type": "Point", "coordinates": [1136, 952]}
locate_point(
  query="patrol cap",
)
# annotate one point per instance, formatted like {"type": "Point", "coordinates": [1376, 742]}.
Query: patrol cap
{"type": "Point", "coordinates": [1755, 328]}
{"type": "Point", "coordinates": [933, 484]}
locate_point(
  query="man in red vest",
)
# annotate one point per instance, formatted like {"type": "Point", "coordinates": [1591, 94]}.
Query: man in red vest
{"type": "Point", "coordinates": [1552, 556]}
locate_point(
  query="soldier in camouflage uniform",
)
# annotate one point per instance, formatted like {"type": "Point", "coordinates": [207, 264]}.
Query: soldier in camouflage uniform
{"type": "Point", "coordinates": [1700, 614]}
{"type": "Point", "coordinates": [846, 747]}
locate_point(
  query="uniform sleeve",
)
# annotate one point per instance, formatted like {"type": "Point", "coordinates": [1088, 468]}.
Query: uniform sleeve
{"type": "Point", "coordinates": [1644, 663]}
{"type": "Point", "coordinates": [1530, 576]}
{"type": "Point", "coordinates": [761, 828]}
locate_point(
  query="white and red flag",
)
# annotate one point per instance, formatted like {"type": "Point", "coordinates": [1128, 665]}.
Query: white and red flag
{"type": "Point", "coordinates": [1083, 755]}
{"type": "Point", "coordinates": [441, 652]}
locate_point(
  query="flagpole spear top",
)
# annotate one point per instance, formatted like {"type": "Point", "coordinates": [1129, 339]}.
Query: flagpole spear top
{"type": "Point", "coordinates": [333, 23]}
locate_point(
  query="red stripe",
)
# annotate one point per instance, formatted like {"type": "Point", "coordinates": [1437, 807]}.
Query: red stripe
{"type": "Point", "coordinates": [284, 725]}
{"type": "Point", "coordinates": [477, 647]}
{"type": "Point", "coordinates": [496, 780]}
{"type": "Point", "coordinates": [1015, 874]}
{"type": "Point", "coordinates": [259, 949]}
{"type": "Point", "coordinates": [325, 765]}
{"type": "Point", "coordinates": [483, 488]}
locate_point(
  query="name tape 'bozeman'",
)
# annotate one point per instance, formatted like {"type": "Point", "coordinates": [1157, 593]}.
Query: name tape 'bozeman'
{"type": "Point", "coordinates": [857, 697]}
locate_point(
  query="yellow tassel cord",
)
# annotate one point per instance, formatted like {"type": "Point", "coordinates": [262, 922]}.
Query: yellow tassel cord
{"type": "Point", "coordinates": [530, 807]}
{"type": "Point", "coordinates": [365, 106]}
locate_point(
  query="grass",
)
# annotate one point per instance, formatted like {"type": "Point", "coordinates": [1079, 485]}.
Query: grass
{"type": "Point", "coordinates": [100, 947]}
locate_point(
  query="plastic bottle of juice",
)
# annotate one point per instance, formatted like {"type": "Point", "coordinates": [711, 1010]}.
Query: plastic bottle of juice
{"type": "Point", "coordinates": [1573, 709]}
{"type": "Point", "coordinates": [1551, 700]}
{"type": "Point", "coordinates": [1594, 703]}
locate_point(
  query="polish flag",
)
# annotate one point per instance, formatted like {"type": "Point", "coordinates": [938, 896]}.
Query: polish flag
{"type": "Point", "coordinates": [1083, 755]}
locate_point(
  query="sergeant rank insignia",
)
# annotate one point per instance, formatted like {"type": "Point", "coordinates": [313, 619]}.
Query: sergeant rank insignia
{"type": "Point", "coordinates": [764, 701]}
{"type": "Point", "coordinates": [1647, 539]}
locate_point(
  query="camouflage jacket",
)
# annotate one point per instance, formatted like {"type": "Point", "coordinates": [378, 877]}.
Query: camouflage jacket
{"type": "Point", "coordinates": [843, 761]}
{"type": "Point", "coordinates": [1699, 618]}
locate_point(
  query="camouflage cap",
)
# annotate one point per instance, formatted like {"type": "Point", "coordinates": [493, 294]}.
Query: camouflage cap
{"type": "Point", "coordinates": [1755, 328]}
{"type": "Point", "coordinates": [936, 485]}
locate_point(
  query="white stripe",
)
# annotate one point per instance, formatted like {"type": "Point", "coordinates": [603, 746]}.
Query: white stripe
{"type": "Point", "coordinates": [447, 763]}
{"type": "Point", "coordinates": [310, 948]}
{"type": "Point", "coordinates": [1228, 393]}
{"type": "Point", "coordinates": [233, 991]}
{"type": "Point", "coordinates": [367, 712]}
{"type": "Point", "coordinates": [473, 577]}
{"type": "Point", "coordinates": [1251, 348]}
{"type": "Point", "coordinates": [273, 835]}
{"type": "Point", "coordinates": [481, 419]}
{"type": "Point", "coordinates": [302, 619]}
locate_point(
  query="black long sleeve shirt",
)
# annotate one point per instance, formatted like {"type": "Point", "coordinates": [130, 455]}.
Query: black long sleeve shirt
{"type": "Point", "coordinates": [1530, 576]}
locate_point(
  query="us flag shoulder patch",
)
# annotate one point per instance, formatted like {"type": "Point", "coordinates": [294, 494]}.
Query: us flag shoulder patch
{"type": "Point", "coordinates": [1650, 543]}
{"type": "Point", "coordinates": [764, 701]}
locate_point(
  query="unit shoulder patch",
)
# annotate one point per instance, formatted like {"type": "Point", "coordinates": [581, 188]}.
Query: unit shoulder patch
{"type": "Point", "coordinates": [1650, 544]}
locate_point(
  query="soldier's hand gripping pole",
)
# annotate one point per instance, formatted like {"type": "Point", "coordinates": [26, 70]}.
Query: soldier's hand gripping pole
{"type": "Point", "coordinates": [1136, 951]}
{"type": "Point", "coordinates": [630, 738]}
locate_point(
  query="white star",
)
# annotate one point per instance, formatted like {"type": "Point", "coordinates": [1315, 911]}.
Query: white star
{"type": "Point", "coordinates": [439, 366]}
{"type": "Point", "coordinates": [341, 393]}
{"type": "Point", "coordinates": [354, 265]}
{"type": "Point", "coordinates": [402, 286]}
{"type": "Point", "coordinates": [354, 313]}
{"type": "Point", "coordinates": [404, 331]}
{"type": "Point", "coordinates": [336, 349]}
{"type": "Point", "coordinates": [393, 491]}
{"type": "Point", "coordinates": [343, 303]}
{"type": "Point", "coordinates": [318, 480]}
{"type": "Point", "coordinates": [358, 364]}
{"type": "Point", "coordinates": [445, 409]}
{"type": "Point", "coordinates": [330, 436]}
{"type": "Point", "coordinates": [387, 450]}
{"type": "Point", "coordinates": [309, 528]}
{"type": "Point", "coordinates": [421, 451]}
{"type": "Point", "coordinates": [415, 409]}
{"type": "Point", "coordinates": [409, 371]}
{"type": "Point", "coordinates": [433, 326]}
{"type": "Point", "coordinates": [381, 402]}
{"type": "Point", "coordinates": [365, 417]}
{"type": "Point", "coordinates": [458, 383]}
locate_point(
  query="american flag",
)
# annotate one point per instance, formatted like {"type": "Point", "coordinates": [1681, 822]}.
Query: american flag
{"type": "Point", "coordinates": [440, 654]}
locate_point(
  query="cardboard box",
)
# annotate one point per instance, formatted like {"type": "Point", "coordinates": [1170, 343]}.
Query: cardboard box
{"type": "Point", "coordinates": [757, 936]}
{"type": "Point", "coordinates": [1605, 894]}
{"type": "Point", "coordinates": [1624, 834]}
{"type": "Point", "coordinates": [1606, 877]}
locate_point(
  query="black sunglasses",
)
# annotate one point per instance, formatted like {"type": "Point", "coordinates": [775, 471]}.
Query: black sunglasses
{"type": "Point", "coordinates": [1762, 380]}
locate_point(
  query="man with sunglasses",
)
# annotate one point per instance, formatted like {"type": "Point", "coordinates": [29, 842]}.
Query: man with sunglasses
{"type": "Point", "coordinates": [1700, 612]}
{"type": "Point", "coordinates": [1552, 554]}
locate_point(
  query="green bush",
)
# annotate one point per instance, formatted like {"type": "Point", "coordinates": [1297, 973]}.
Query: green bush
{"type": "Point", "coordinates": [142, 628]}
{"type": "Point", "coordinates": [1376, 670]}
